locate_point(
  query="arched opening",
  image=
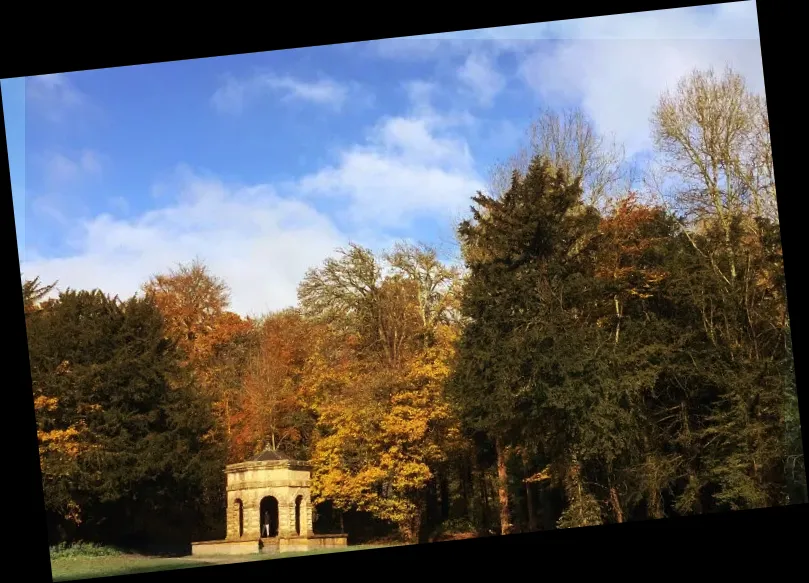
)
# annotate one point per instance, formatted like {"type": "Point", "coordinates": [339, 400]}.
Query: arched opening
{"type": "Point", "coordinates": [269, 516]}
{"type": "Point", "coordinates": [240, 513]}
{"type": "Point", "coordinates": [298, 502]}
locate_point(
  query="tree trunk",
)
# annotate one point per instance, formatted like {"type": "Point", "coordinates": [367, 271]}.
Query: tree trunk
{"type": "Point", "coordinates": [502, 489]}
{"type": "Point", "coordinates": [468, 489]}
{"type": "Point", "coordinates": [532, 523]}
{"type": "Point", "coordinates": [484, 507]}
{"type": "Point", "coordinates": [529, 498]}
{"type": "Point", "coordinates": [432, 503]}
{"type": "Point", "coordinates": [616, 505]}
{"type": "Point", "coordinates": [445, 497]}
{"type": "Point", "coordinates": [227, 416]}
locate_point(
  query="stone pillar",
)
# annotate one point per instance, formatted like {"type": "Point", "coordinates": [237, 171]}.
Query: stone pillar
{"type": "Point", "coordinates": [292, 531]}
{"type": "Point", "coordinates": [252, 520]}
{"type": "Point", "coordinates": [285, 515]}
{"type": "Point", "coordinates": [232, 519]}
{"type": "Point", "coordinates": [307, 523]}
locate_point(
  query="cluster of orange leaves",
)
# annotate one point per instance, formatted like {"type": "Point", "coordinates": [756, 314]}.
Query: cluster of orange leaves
{"type": "Point", "coordinates": [621, 257]}
{"type": "Point", "coordinates": [271, 392]}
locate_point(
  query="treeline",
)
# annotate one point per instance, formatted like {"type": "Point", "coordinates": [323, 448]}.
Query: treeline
{"type": "Point", "coordinates": [604, 354]}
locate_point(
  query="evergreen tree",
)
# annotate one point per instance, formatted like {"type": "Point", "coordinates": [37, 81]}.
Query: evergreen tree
{"type": "Point", "coordinates": [139, 465]}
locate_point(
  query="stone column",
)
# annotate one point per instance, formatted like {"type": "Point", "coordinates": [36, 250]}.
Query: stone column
{"type": "Point", "coordinates": [232, 519]}
{"type": "Point", "coordinates": [292, 531]}
{"type": "Point", "coordinates": [252, 520]}
{"type": "Point", "coordinates": [285, 514]}
{"type": "Point", "coordinates": [307, 524]}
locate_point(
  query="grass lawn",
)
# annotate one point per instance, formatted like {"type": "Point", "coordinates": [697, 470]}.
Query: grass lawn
{"type": "Point", "coordinates": [79, 567]}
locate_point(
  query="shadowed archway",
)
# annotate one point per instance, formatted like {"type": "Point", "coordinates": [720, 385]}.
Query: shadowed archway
{"type": "Point", "coordinates": [269, 516]}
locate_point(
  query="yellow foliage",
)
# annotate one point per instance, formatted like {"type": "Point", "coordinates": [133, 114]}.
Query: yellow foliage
{"type": "Point", "coordinates": [376, 453]}
{"type": "Point", "coordinates": [65, 442]}
{"type": "Point", "coordinates": [43, 403]}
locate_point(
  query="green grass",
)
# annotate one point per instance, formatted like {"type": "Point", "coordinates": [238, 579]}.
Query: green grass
{"type": "Point", "coordinates": [68, 569]}
{"type": "Point", "coordinates": [85, 562]}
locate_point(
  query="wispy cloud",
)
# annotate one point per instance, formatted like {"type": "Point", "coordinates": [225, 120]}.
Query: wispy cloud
{"type": "Point", "coordinates": [616, 67]}
{"type": "Point", "coordinates": [53, 96]}
{"type": "Point", "coordinates": [481, 77]}
{"type": "Point", "coordinates": [729, 21]}
{"type": "Point", "coordinates": [236, 94]}
{"type": "Point", "coordinates": [61, 170]}
{"type": "Point", "coordinates": [409, 167]}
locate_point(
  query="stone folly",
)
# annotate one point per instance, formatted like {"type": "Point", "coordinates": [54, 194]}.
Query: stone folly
{"type": "Point", "coordinates": [269, 509]}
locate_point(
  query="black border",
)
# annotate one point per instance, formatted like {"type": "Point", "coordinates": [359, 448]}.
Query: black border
{"type": "Point", "coordinates": [87, 42]}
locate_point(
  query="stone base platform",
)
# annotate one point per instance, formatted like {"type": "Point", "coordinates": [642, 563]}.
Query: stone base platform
{"type": "Point", "coordinates": [268, 545]}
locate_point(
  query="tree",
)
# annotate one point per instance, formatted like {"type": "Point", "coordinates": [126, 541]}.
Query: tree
{"type": "Point", "coordinates": [437, 285]}
{"type": "Point", "coordinates": [214, 341]}
{"type": "Point", "coordinates": [33, 292]}
{"type": "Point", "coordinates": [121, 450]}
{"type": "Point", "coordinates": [523, 249]}
{"type": "Point", "coordinates": [569, 141]}
{"type": "Point", "coordinates": [379, 456]}
{"type": "Point", "coordinates": [271, 411]}
{"type": "Point", "coordinates": [343, 290]}
{"type": "Point", "coordinates": [376, 380]}
{"type": "Point", "coordinates": [713, 136]}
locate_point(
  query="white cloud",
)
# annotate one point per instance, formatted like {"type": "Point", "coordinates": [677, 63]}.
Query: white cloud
{"type": "Point", "coordinates": [480, 75]}
{"type": "Point", "coordinates": [260, 243]}
{"type": "Point", "coordinates": [410, 167]}
{"type": "Point", "coordinates": [53, 95]}
{"type": "Point", "coordinates": [616, 67]}
{"type": "Point", "coordinates": [235, 94]}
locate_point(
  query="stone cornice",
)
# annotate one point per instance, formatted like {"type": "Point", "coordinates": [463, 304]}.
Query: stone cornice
{"type": "Point", "coordinates": [261, 484]}
{"type": "Point", "coordinates": [268, 465]}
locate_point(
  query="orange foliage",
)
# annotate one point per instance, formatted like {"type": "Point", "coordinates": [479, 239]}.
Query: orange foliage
{"type": "Point", "coordinates": [627, 237]}
{"type": "Point", "coordinates": [194, 305]}
{"type": "Point", "coordinates": [271, 392]}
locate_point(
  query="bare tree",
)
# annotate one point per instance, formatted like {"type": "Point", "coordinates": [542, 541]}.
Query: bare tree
{"type": "Point", "coordinates": [569, 140]}
{"type": "Point", "coordinates": [388, 302]}
{"type": "Point", "coordinates": [436, 283]}
{"type": "Point", "coordinates": [713, 135]}
{"type": "Point", "coordinates": [343, 289]}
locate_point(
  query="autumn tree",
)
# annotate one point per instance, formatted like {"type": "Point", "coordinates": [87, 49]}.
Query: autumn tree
{"type": "Point", "coordinates": [378, 388]}
{"type": "Point", "coordinates": [215, 341]}
{"type": "Point", "coordinates": [271, 411]}
{"type": "Point", "coordinates": [379, 455]}
{"type": "Point", "coordinates": [712, 135]}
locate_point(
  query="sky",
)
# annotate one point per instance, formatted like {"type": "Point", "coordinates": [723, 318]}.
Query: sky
{"type": "Point", "coordinates": [262, 165]}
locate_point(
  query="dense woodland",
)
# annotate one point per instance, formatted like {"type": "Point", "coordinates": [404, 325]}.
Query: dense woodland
{"type": "Point", "coordinates": [612, 346]}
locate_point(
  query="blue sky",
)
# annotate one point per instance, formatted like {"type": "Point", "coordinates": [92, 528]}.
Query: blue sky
{"type": "Point", "coordinates": [263, 164]}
